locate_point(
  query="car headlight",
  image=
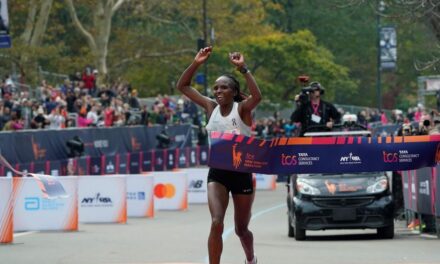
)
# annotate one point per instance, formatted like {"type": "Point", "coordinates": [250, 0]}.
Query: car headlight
{"type": "Point", "coordinates": [379, 185]}
{"type": "Point", "coordinates": [304, 187]}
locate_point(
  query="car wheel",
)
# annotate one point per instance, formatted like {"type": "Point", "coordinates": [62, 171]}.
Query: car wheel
{"type": "Point", "coordinates": [291, 231]}
{"type": "Point", "coordinates": [300, 233]}
{"type": "Point", "coordinates": [386, 232]}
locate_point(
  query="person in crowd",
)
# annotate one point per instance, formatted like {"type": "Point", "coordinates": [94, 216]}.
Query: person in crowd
{"type": "Point", "coordinates": [312, 111]}
{"type": "Point", "coordinates": [39, 121]}
{"type": "Point", "coordinates": [83, 121]}
{"type": "Point", "coordinates": [229, 112]}
{"type": "Point", "coordinates": [133, 100]}
{"type": "Point", "coordinates": [56, 119]}
{"type": "Point", "coordinates": [93, 115]}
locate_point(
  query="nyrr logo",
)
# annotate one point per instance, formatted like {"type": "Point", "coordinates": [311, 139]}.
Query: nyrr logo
{"type": "Point", "coordinates": [288, 160]}
{"type": "Point", "coordinates": [236, 156]}
{"type": "Point", "coordinates": [167, 190]}
{"type": "Point", "coordinates": [39, 152]}
{"type": "Point", "coordinates": [97, 201]}
{"type": "Point", "coordinates": [390, 157]}
{"type": "Point", "coordinates": [350, 159]}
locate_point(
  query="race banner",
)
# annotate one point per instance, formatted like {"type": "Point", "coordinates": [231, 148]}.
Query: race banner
{"type": "Point", "coordinates": [322, 154]}
{"type": "Point", "coordinates": [50, 186]}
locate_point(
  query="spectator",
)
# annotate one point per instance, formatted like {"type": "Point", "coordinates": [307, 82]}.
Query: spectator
{"type": "Point", "coordinates": [39, 121]}
{"type": "Point", "coordinates": [133, 100]}
{"type": "Point", "coordinates": [83, 121]}
{"type": "Point", "coordinates": [93, 116]}
{"type": "Point", "coordinates": [89, 80]}
{"type": "Point", "coordinates": [56, 119]}
{"type": "Point", "coordinates": [109, 114]}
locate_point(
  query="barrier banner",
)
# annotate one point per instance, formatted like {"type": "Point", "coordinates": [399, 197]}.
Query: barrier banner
{"type": "Point", "coordinates": [170, 161]}
{"type": "Point", "coordinates": [170, 190]}
{"type": "Point", "coordinates": [109, 164]}
{"type": "Point", "coordinates": [410, 194]}
{"type": "Point", "coordinates": [193, 157]}
{"type": "Point", "coordinates": [39, 167]}
{"type": "Point", "coordinates": [203, 155]}
{"type": "Point", "coordinates": [436, 180]}
{"type": "Point", "coordinates": [134, 163]}
{"type": "Point", "coordinates": [140, 199]}
{"type": "Point", "coordinates": [102, 199]}
{"type": "Point", "coordinates": [53, 167]}
{"type": "Point", "coordinates": [95, 166]}
{"type": "Point", "coordinates": [159, 160]}
{"type": "Point", "coordinates": [6, 211]}
{"type": "Point", "coordinates": [43, 145]}
{"type": "Point", "coordinates": [182, 155]}
{"type": "Point", "coordinates": [33, 212]}
{"type": "Point", "coordinates": [122, 164]}
{"type": "Point", "coordinates": [265, 181]}
{"type": "Point", "coordinates": [323, 154]}
{"type": "Point", "coordinates": [425, 203]}
{"type": "Point", "coordinates": [82, 166]}
{"type": "Point", "coordinates": [146, 161]}
{"type": "Point", "coordinates": [197, 185]}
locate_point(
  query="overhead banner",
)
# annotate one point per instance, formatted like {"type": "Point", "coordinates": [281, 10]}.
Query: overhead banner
{"type": "Point", "coordinates": [5, 39]}
{"type": "Point", "coordinates": [323, 154]}
{"type": "Point", "coordinates": [388, 48]}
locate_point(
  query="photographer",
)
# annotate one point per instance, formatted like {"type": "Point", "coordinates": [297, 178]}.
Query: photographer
{"type": "Point", "coordinates": [312, 112]}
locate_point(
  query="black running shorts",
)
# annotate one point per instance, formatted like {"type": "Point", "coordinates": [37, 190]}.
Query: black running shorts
{"type": "Point", "coordinates": [235, 182]}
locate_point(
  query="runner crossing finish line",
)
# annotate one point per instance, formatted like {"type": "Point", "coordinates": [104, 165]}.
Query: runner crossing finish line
{"type": "Point", "coordinates": [323, 154]}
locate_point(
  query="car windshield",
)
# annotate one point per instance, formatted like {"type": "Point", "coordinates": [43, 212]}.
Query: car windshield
{"type": "Point", "coordinates": [343, 184]}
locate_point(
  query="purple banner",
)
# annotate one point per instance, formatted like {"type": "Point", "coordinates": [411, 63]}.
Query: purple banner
{"type": "Point", "coordinates": [323, 154]}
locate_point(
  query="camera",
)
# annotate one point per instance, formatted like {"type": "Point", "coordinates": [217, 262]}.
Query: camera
{"type": "Point", "coordinates": [426, 123]}
{"type": "Point", "coordinates": [305, 91]}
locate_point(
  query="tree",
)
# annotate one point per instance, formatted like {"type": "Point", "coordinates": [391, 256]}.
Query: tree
{"type": "Point", "coordinates": [27, 47]}
{"type": "Point", "coordinates": [278, 59]}
{"type": "Point", "coordinates": [98, 35]}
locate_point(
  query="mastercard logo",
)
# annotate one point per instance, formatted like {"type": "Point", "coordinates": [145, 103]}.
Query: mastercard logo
{"type": "Point", "coordinates": [167, 190]}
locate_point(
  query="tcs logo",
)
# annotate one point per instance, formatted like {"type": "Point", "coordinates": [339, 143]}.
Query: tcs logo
{"type": "Point", "coordinates": [288, 160]}
{"type": "Point", "coordinates": [390, 157]}
{"type": "Point", "coordinates": [164, 190]}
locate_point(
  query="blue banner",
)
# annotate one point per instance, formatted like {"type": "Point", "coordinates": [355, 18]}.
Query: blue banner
{"type": "Point", "coordinates": [5, 39]}
{"type": "Point", "coordinates": [322, 154]}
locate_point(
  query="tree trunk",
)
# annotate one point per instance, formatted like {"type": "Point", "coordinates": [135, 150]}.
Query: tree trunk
{"type": "Point", "coordinates": [32, 36]}
{"type": "Point", "coordinates": [101, 28]}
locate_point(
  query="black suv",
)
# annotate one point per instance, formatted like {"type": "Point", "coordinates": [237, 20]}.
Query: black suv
{"type": "Point", "coordinates": [340, 201]}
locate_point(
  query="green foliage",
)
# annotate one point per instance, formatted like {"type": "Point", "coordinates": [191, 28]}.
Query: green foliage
{"type": "Point", "coordinates": [153, 41]}
{"type": "Point", "coordinates": [278, 59]}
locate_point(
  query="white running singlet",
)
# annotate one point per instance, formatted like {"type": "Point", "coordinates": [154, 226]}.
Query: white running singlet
{"type": "Point", "coordinates": [231, 123]}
